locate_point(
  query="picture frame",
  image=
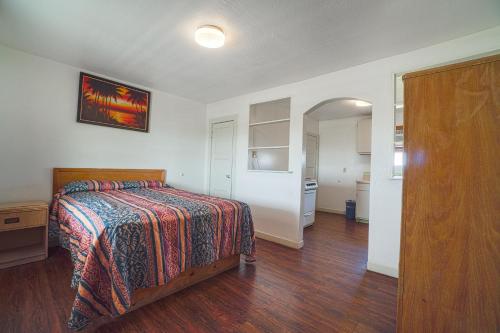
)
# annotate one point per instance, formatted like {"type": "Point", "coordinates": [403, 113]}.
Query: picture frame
{"type": "Point", "coordinates": [109, 103]}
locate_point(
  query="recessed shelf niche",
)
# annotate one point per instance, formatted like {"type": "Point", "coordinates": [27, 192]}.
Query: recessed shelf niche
{"type": "Point", "coordinates": [269, 135]}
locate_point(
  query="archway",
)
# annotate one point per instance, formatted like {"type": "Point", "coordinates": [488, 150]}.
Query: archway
{"type": "Point", "coordinates": [343, 158]}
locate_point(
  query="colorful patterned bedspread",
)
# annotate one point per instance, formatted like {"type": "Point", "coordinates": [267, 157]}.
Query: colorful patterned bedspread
{"type": "Point", "coordinates": [128, 235]}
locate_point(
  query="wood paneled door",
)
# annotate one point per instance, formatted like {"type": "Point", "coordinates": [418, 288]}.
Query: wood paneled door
{"type": "Point", "coordinates": [450, 243]}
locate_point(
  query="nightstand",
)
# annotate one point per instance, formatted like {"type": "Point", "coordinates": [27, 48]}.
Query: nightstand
{"type": "Point", "coordinates": [23, 232]}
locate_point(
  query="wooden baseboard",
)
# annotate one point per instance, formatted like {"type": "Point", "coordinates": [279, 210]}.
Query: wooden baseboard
{"type": "Point", "coordinates": [279, 240]}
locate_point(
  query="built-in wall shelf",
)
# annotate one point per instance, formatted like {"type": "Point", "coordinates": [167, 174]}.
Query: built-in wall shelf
{"type": "Point", "coordinates": [272, 171]}
{"type": "Point", "coordinates": [270, 122]}
{"type": "Point", "coordinates": [270, 147]}
{"type": "Point", "coordinates": [269, 136]}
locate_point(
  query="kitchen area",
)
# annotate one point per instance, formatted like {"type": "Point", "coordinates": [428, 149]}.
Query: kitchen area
{"type": "Point", "coordinates": [337, 149]}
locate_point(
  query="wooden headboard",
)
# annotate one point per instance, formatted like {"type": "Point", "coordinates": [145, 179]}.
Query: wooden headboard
{"type": "Point", "coordinates": [62, 176]}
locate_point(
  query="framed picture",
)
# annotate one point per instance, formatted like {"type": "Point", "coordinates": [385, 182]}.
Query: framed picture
{"type": "Point", "coordinates": [108, 103]}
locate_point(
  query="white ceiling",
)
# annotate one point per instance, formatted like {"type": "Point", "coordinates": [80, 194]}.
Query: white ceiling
{"type": "Point", "coordinates": [337, 109]}
{"type": "Point", "coordinates": [269, 42]}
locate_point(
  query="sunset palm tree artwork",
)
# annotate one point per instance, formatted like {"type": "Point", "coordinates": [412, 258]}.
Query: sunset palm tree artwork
{"type": "Point", "coordinates": [108, 103]}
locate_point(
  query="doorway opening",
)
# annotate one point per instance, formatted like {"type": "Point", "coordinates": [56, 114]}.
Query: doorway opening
{"type": "Point", "coordinates": [337, 163]}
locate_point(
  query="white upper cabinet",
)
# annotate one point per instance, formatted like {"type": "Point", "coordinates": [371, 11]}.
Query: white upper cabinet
{"type": "Point", "coordinates": [365, 136]}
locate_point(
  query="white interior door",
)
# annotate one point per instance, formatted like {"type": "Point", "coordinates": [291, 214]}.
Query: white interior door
{"type": "Point", "coordinates": [221, 159]}
{"type": "Point", "coordinates": [311, 156]}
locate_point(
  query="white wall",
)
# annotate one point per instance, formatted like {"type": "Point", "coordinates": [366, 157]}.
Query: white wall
{"type": "Point", "coordinates": [38, 131]}
{"type": "Point", "coordinates": [275, 198]}
{"type": "Point", "coordinates": [338, 150]}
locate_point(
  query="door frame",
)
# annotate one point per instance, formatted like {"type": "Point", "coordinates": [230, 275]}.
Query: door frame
{"type": "Point", "coordinates": [317, 153]}
{"type": "Point", "coordinates": [211, 122]}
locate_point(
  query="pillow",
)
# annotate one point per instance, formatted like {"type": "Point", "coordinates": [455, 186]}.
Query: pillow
{"type": "Point", "coordinates": [107, 185]}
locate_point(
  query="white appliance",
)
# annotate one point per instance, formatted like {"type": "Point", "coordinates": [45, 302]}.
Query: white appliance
{"type": "Point", "coordinates": [310, 189]}
{"type": "Point", "coordinates": [362, 200]}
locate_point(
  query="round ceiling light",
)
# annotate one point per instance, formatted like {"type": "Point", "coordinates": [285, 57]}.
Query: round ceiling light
{"type": "Point", "coordinates": [361, 103]}
{"type": "Point", "coordinates": [210, 36]}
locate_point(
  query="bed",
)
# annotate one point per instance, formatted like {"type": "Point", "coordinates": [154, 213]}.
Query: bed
{"type": "Point", "coordinates": [133, 239]}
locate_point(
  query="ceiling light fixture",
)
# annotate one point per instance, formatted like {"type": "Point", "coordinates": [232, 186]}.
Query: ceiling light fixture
{"type": "Point", "coordinates": [362, 103]}
{"type": "Point", "coordinates": [209, 36]}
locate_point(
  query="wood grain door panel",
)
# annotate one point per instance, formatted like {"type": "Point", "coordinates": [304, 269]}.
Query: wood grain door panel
{"type": "Point", "coordinates": [451, 209]}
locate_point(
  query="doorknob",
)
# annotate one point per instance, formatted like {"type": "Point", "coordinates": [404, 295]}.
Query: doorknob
{"type": "Point", "coordinates": [228, 176]}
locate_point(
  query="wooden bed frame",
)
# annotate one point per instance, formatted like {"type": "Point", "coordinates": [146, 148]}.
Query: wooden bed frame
{"type": "Point", "coordinates": [62, 176]}
{"type": "Point", "coordinates": [144, 296]}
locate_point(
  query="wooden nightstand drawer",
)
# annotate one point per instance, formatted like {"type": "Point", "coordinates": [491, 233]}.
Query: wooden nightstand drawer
{"type": "Point", "coordinates": [22, 219]}
{"type": "Point", "coordinates": [23, 233]}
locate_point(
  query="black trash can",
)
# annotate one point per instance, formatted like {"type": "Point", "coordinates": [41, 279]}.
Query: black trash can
{"type": "Point", "coordinates": [350, 209]}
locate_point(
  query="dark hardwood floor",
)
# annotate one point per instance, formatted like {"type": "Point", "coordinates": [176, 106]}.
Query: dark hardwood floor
{"type": "Point", "coordinates": [322, 288]}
